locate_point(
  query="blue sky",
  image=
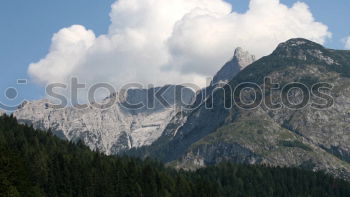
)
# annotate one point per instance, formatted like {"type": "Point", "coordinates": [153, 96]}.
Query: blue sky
{"type": "Point", "coordinates": [27, 28]}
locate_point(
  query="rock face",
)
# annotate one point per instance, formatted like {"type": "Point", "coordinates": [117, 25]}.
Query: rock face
{"type": "Point", "coordinates": [308, 137]}
{"type": "Point", "coordinates": [195, 115]}
{"type": "Point", "coordinates": [113, 129]}
{"type": "Point", "coordinates": [240, 60]}
{"type": "Point", "coordinates": [118, 128]}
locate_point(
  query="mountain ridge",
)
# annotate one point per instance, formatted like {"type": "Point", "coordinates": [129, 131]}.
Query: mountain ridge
{"type": "Point", "coordinates": [108, 130]}
{"type": "Point", "coordinates": [123, 125]}
{"type": "Point", "coordinates": [316, 139]}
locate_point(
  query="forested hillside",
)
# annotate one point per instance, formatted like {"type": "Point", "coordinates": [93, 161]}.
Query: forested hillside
{"type": "Point", "coordinates": [35, 163]}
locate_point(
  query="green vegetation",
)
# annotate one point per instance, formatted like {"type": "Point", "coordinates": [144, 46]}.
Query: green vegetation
{"type": "Point", "coordinates": [255, 133]}
{"type": "Point", "coordinates": [295, 144]}
{"type": "Point", "coordinates": [35, 163]}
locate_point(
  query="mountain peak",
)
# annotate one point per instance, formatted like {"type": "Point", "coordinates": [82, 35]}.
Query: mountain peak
{"type": "Point", "coordinates": [240, 60]}
{"type": "Point", "coordinates": [238, 51]}
{"type": "Point", "coordinates": [305, 50]}
{"type": "Point", "coordinates": [296, 45]}
{"type": "Point", "coordinates": [243, 57]}
{"type": "Point", "coordinates": [299, 43]}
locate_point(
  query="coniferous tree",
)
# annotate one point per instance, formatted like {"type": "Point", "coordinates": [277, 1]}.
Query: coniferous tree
{"type": "Point", "coordinates": [37, 164]}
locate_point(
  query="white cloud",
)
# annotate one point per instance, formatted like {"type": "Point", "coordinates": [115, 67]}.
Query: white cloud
{"type": "Point", "coordinates": [173, 41]}
{"type": "Point", "coordinates": [68, 49]}
{"type": "Point", "coordinates": [347, 42]}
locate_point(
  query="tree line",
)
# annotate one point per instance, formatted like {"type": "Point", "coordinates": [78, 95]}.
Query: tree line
{"type": "Point", "coordinates": [35, 163]}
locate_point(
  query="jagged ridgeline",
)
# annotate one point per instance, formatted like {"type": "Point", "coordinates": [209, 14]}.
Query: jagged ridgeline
{"type": "Point", "coordinates": [306, 137]}
{"type": "Point", "coordinates": [36, 163]}
{"type": "Point", "coordinates": [310, 138]}
{"type": "Point", "coordinates": [120, 127]}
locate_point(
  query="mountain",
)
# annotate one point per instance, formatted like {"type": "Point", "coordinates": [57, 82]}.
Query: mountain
{"type": "Point", "coordinates": [34, 163]}
{"type": "Point", "coordinates": [240, 60]}
{"type": "Point", "coordinates": [118, 128]}
{"type": "Point", "coordinates": [216, 129]}
{"type": "Point", "coordinates": [115, 128]}
{"type": "Point", "coordinates": [315, 139]}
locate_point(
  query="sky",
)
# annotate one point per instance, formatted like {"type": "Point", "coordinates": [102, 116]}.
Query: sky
{"type": "Point", "coordinates": [150, 43]}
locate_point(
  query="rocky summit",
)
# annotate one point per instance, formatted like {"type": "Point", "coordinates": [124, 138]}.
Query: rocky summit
{"type": "Point", "coordinates": [240, 60]}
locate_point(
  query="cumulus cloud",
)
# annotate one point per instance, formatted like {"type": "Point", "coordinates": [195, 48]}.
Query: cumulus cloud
{"type": "Point", "coordinates": [173, 41]}
{"type": "Point", "coordinates": [347, 42]}
{"type": "Point", "coordinates": [68, 49]}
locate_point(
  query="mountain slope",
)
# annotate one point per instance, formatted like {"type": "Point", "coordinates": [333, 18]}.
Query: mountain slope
{"type": "Point", "coordinates": [240, 60]}
{"type": "Point", "coordinates": [110, 130]}
{"type": "Point", "coordinates": [307, 137]}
